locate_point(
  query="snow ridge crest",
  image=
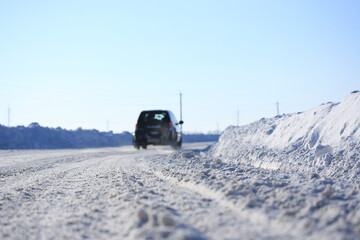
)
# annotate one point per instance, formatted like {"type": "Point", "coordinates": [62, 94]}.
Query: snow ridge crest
{"type": "Point", "coordinates": [325, 139]}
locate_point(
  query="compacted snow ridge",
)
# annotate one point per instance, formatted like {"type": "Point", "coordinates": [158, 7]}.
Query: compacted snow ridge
{"type": "Point", "coordinates": [294, 176]}
{"type": "Point", "coordinates": [324, 141]}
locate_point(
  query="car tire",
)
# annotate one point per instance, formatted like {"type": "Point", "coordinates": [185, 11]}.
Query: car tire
{"type": "Point", "coordinates": [179, 144]}
{"type": "Point", "coordinates": [136, 145]}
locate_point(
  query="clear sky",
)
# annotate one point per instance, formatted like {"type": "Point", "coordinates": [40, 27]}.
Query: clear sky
{"type": "Point", "coordinates": [97, 64]}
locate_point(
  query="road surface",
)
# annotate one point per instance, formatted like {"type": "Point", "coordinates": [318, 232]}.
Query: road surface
{"type": "Point", "coordinates": [159, 193]}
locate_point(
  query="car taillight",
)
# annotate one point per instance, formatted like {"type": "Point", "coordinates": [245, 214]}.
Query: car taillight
{"type": "Point", "coordinates": [170, 124]}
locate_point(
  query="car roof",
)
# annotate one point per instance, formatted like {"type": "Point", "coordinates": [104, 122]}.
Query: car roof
{"type": "Point", "coordinates": [156, 110]}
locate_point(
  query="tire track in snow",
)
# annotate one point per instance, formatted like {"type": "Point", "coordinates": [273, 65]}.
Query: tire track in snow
{"type": "Point", "coordinates": [99, 197]}
{"type": "Point", "coordinates": [158, 194]}
{"type": "Point", "coordinates": [261, 221]}
{"type": "Point", "coordinates": [287, 204]}
{"type": "Point", "coordinates": [47, 199]}
{"type": "Point", "coordinates": [222, 219]}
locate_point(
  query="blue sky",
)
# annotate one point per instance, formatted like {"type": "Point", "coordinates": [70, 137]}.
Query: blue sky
{"type": "Point", "coordinates": [88, 63]}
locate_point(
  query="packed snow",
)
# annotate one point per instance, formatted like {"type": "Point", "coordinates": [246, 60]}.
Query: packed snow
{"type": "Point", "coordinates": [324, 140]}
{"type": "Point", "coordinates": [294, 176]}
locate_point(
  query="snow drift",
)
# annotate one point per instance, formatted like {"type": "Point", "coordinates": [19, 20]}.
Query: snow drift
{"type": "Point", "coordinates": [322, 141]}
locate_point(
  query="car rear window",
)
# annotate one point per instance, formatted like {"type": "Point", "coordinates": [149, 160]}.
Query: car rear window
{"type": "Point", "coordinates": [153, 117]}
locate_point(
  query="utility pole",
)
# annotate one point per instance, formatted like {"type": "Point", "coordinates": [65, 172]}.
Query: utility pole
{"type": "Point", "coordinates": [9, 110]}
{"type": "Point", "coordinates": [181, 111]}
{"type": "Point", "coordinates": [277, 108]}
{"type": "Point", "coordinates": [237, 114]}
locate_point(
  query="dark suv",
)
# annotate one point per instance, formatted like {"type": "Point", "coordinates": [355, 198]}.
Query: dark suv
{"type": "Point", "coordinates": [157, 127]}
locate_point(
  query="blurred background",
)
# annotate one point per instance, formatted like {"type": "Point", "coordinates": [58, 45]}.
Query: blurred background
{"type": "Point", "coordinates": [97, 64]}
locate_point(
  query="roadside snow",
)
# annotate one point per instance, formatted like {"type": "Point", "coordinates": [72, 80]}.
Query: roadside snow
{"type": "Point", "coordinates": [324, 141]}
{"type": "Point", "coordinates": [288, 204]}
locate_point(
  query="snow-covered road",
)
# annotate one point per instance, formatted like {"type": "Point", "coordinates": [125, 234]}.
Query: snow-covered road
{"type": "Point", "coordinates": [121, 193]}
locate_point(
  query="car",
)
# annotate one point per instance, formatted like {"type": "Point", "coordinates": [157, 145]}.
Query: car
{"type": "Point", "coordinates": [157, 127]}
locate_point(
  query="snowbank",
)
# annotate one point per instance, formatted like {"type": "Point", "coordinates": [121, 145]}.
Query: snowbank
{"type": "Point", "coordinates": [321, 141]}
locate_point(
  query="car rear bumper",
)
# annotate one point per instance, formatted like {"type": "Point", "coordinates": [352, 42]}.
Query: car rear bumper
{"type": "Point", "coordinates": [151, 137]}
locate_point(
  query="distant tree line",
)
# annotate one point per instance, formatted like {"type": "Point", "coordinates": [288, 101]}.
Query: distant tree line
{"type": "Point", "coordinates": [37, 137]}
{"type": "Point", "coordinates": [200, 137]}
